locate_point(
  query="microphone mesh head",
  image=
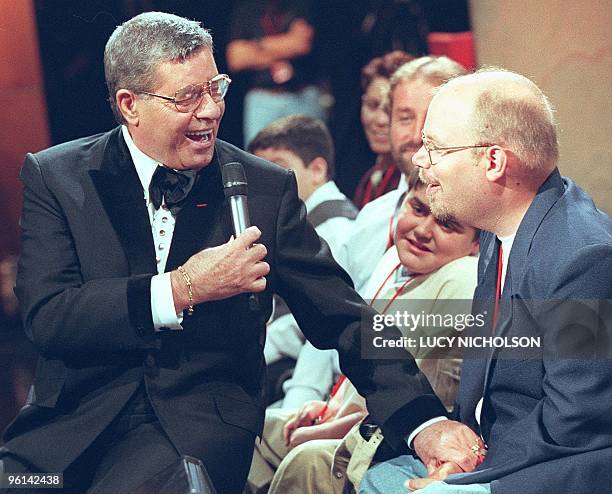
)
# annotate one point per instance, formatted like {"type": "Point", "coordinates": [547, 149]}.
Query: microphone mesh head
{"type": "Point", "coordinates": [234, 179]}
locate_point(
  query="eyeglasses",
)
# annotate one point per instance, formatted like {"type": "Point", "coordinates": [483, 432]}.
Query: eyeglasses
{"type": "Point", "coordinates": [435, 154]}
{"type": "Point", "coordinates": [189, 97]}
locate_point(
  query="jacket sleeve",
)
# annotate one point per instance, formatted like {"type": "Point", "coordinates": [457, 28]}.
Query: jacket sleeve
{"type": "Point", "coordinates": [63, 315]}
{"type": "Point", "coordinates": [330, 313]}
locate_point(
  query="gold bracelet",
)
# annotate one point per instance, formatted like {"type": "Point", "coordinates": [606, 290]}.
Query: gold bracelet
{"type": "Point", "coordinates": [187, 279]}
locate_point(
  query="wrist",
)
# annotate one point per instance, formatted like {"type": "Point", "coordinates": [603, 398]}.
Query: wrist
{"type": "Point", "coordinates": [180, 291]}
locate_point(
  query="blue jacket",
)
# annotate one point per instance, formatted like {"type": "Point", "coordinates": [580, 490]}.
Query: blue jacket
{"type": "Point", "coordinates": [547, 417]}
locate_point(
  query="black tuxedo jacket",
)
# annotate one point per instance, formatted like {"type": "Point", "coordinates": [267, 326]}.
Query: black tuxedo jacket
{"type": "Point", "coordinates": [546, 415]}
{"type": "Point", "coordinates": [84, 289]}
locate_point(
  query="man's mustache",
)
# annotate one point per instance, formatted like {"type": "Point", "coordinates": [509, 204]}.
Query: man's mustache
{"type": "Point", "coordinates": [410, 146]}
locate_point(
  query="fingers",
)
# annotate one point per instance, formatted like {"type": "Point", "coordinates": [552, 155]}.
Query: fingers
{"type": "Point", "coordinates": [260, 269]}
{"type": "Point", "coordinates": [259, 285]}
{"type": "Point", "coordinates": [467, 461]}
{"type": "Point", "coordinates": [416, 484]}
{"type": "Point", "coordinates": [469, 451]}
{"type": "Point", "coordinates": [452, 441]}
{"type": "Point", "coordinates": [247, 238]}
{"type": "Point", "coordinates": [439, 473]}
{"type": "Point", "coordinates": [256, 253]}
{"type": "Point", "coordinates": [288, 429]}
{"type": "Point", "coordinates": [445, 470]}
{"type": "Point", "coordinates": [432, 466]}
{"type": "Point", "coordinates": [230, 269]}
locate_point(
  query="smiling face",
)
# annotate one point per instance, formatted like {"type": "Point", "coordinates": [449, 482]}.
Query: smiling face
{"type": "Point", "coordinates": [375, 116]}
{"type": "Point", "coordinates": [410, 102]}
{"type": "Point", "coordinates": [424, 243]}
{"type": "Point", "coordinates": [457, 185]}
{"type": "Point", "coordinates": [183, 141]}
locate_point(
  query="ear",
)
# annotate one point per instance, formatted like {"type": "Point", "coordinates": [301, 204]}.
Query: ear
{"type": "Point", "coordinates": [475, 247]}
{"type": "Point", "coordinates": [126, 101]}
{"type": "Point", "coordinates": [318, 171]}
{"type": "Point", "coordinates": [496, 163]}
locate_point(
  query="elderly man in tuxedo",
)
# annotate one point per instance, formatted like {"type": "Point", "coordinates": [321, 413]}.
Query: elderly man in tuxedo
{"type": "Point", "coordinates": [489, 156]}
{"type": "Point", "coordinates": [137, 295]}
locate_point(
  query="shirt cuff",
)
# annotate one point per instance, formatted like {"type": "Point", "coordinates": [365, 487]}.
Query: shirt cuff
{"type": "Point", "coordinates": [424, 425]}
{"type": "Point", "coordinates": [162, 304]}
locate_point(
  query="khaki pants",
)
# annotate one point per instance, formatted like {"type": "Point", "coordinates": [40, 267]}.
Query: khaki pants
{"type": "Point", "coordinates": [269, 451]}
{"type": "Point", "coordinates": [326, 466]}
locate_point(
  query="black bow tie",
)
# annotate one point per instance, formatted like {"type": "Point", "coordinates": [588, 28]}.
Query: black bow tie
{"type": "Point", "coordinates": [173, 186]}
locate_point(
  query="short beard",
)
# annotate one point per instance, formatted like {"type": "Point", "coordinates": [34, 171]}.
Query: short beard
{"type": "Point", "coordinates": [405, 164]}
{"type": "Point", "coordinates": [438, 209]}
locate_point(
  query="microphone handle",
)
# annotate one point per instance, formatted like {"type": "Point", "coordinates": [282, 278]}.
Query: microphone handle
{"type": "Point", "coordinates": [240, 213]}
{"type": "Point", "coordinates": [240, 220]}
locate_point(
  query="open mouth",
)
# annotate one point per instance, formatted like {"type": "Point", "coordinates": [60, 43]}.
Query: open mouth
{"type": "Point", "coordinates": [200, 135]}
{"type": "Point", "coordinates": [432, 187]}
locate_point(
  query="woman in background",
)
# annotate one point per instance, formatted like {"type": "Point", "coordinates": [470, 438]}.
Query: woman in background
{"type": "Point", "coordinates": [384, 175]}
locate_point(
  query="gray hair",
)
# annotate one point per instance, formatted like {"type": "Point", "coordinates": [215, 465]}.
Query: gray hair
{"type": "Point", "coordinates": [433, 70]}
{"type": "Point", "coordinates": [139, 45]}
{"type": "Point", "coordinates": [510, 110]}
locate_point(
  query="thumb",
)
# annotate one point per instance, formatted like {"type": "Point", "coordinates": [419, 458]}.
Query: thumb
{"type": "Point", "coordinates": [445, 470]}
{"type": "Point", "coordinates": [432, 465]}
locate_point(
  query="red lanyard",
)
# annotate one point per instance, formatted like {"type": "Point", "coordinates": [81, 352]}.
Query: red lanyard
{"type": "Point", "coordinates": [397, 292]}
{"type": "Point", "coordinates": [337, 385]}
{"type": "Point", "coordinates": [498, 287]}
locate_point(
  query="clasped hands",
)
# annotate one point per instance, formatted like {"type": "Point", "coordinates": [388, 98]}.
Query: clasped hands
{"type": "Point", "coordinates": [221, 272]}
{"type": "Point", "coordinates": [446, 447]}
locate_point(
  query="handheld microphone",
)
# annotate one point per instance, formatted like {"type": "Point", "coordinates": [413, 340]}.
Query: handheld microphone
{"type": "Point", "coordinates": [235, 188]}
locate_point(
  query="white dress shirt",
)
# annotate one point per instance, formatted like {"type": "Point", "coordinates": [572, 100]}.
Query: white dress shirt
{"type": "Point", "coordinates": [369, 238]}
{"type": "Point", "coordinates": [506, 244]}
{"type": "Point", "coordinates": [506, 248]}
{"type": "Point", "coordinates": [162, 225]}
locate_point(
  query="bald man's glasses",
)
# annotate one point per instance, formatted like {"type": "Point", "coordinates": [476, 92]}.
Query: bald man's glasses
{"type": "Point", "coordinates": [188, 98]}
{"type": "Point", "coordinates": [436, 154]}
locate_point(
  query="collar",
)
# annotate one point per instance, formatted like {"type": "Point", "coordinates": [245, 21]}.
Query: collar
{"type": "Point", "coordinates": [329, 191]}
{"type": "Point", "coordinates": [145, 165]}
{"type": "Point", "coordinates": [547, 196]}
{"type": "Point", "coordinates": [402, 186]}
{"type": "Point", "coordinates": [506, 243]}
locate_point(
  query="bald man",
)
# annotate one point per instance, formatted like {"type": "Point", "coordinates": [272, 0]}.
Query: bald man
{"type": "Point", "coordinates": [490, 156]}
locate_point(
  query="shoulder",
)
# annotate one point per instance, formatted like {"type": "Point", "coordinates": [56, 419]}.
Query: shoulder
{"type": "Point", "coordinates": [76, 150]}
{"type": "Point", "coordinates": [69, 161]}
{"type": "Point", "coordinates": [457, 279]}
{"type": "Point", "coordinates": [573, 245]}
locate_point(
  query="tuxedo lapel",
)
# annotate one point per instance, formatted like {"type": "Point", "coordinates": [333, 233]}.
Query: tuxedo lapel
{"type": "Point", "coordinates": [202, 220]}
{"type": "Point", "coordinates": [122, 196]}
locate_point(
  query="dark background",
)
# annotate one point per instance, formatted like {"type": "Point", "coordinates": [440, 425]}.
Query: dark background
{"type": "Point", "coordinates": [73, 33]}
